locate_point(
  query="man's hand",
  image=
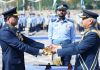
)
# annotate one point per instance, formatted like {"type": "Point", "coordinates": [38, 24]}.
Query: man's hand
{"type": "Point", "coordinates": [50, 49]}
{"type": "Point", "coordinates": [54, 48]}
{"type": "Point", "coordinates": [47, 51]}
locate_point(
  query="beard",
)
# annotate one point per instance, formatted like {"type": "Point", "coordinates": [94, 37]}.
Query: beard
{"type": "Point", "coordinates": [14, 23]}
{"type": "Point", "coordinates": [62, 17]}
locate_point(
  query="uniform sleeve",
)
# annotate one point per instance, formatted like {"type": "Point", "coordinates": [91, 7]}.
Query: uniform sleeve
{"type": "Point", "coordinates": [33, 43]}
{"type": "Point", "coordinates": [72, 32]}
{"type": "Point", "coordinates": [73, 49]}
{"type": "Point", "coordinates": [11, 40]}
{"type": "Point", "coordinates": [50, 31]}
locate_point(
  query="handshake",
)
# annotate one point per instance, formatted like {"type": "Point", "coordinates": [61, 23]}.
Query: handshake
{"type": "Point", "coordinates": [49, 50]}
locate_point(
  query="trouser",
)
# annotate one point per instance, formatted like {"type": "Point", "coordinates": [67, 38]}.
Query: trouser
{"type": "Point", "coordinates": [20, 27]}
{"type": "Point", "coordinates": [0, 26]}
{"type": "Point", "coordinates": [31, 28]}
{"type": "Point", "coordinates": [66, 59]}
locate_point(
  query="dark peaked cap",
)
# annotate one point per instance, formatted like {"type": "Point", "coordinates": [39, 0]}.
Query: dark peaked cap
{"type": "Point", "coordinates": [88, 14]}
{"type": "Point", "coordinates": [11, 12]}
{"type": "Point", "coordinates": [62, 6]}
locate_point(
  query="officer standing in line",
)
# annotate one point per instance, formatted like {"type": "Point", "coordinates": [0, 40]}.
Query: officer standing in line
{"type": "Point", "coordinates": [50, 18]}
{"type": "Point", "coordinates": [14, 44]}
{"type": "Point", "coordinates": [1, 20]}
{"type": "Point", "coordinates": [22, 21]}
{"type": "Point", "coordinates": [88, 48]}
{"type": "Point", "coordinates": [32, 22]}
{"type": "Point", "coordinates": [38, 24]}
{"type": "Point", "coordinates": [61, 31]}
{"type": "Point", "coordinates": [42, 21]}
{"type": "Point", "coordinates": [20, 25]}
{"type": "Point", "coordinates": [69, 18]}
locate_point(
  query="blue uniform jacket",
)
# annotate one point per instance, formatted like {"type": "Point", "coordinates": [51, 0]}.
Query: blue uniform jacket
{"type": "Point", "coordinates": [13, 49]}
{"type": "Point", "coordinates": [87, 48]}
{"type": "Point", "coordinates": [61, 30]}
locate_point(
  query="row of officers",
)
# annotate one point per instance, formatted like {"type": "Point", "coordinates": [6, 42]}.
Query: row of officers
{"type": "Point", "coordinates": [39, 22]}
{"type": "Point", "coordinates": [33, 22]}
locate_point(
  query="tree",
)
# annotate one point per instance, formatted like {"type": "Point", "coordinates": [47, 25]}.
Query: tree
{"type": "Point", "coordinates": [88, 4]}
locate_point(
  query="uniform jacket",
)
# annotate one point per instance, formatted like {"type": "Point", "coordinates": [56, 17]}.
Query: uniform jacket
{"type": "Point", "coordinates": [87, 48]}
{"type": "Point", "coordinates": [13, 48]}
{"type": "Point", "coordinates": [61, 30]}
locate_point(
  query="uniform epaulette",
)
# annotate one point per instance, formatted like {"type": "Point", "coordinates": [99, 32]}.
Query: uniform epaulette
{"type": "Point", "coordinates": [96, 31]}
{"type": "Point", "coordinates": [6, 28]}
{"type": "Point", "coordinates": [53, 19]}
{"type": "Point", "coordinates": [70, 20]}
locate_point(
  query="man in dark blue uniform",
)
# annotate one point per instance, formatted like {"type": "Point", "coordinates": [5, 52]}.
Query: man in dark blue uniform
{"type": "Point", "coordinates": [14, 44]}
{"type": "Point", "coordinates": [87, 49]}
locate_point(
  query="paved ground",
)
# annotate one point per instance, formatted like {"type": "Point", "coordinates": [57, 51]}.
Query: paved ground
{"type": "Point", "coordinates": [39, 60]}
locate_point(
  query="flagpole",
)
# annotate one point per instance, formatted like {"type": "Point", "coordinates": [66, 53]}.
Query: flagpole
{"type": "Point", "coordinates": [54, 3]}
{"type": "Point", "coordinates": [39, 5]}
{"type": "Point", "coordinates": [82, 4]}
{"type": "Point", "coordinates": [23, 7]}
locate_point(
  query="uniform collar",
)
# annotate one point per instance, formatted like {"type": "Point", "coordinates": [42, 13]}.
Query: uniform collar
{"type": "Point", "coordinates": [91, 28]}
{"type": "Point", "coordinates": [10, 27]}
